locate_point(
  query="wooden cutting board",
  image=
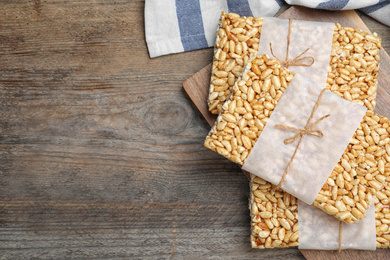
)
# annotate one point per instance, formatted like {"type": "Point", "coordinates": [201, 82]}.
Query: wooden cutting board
{"type": "Point", "coordinates": [197, 89]}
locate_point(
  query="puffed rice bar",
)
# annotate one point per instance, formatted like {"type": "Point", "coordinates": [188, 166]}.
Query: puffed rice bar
{"type": "Point", "coordinates": [243, 117]}
{"type": "Point", "coordinates": [274, 221]}
{"type": "Point", "coordinates": [353, 68]}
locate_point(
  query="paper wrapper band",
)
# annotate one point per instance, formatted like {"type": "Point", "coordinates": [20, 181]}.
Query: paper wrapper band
{"type": "Point", "coordinates": [297, 61]}
{"type": "Point", "coordinates": [296, 38]}
{"type": "Point", "coordinates": [318, 230]}
{"type": "Point", "coordinates": [308, 130]}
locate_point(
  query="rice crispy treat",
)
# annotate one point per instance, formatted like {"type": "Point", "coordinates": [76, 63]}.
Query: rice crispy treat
{"type": "Point", "coordinates": [360, 171]}
{"type": "Point", "coordinates": [353, 67]}
{"type": "Point", "coordinates": [274, 221]}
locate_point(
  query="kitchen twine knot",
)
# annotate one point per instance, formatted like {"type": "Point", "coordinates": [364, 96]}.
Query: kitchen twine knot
{"type": "Point", "coordinates": [340, 235]}
{"type": "Point", "coordinates": [297, 60]}
{"type": "Point", "coordinates": [308, 130]}
{"type": "Point", "coordinates": [302, 131]}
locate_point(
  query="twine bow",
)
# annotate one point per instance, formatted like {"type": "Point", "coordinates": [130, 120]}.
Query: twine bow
{"type": "Point", "coordinates": [302, 131]}
{"type": "Point", "coordinates": [308, 130]}
{"type": "Point", "coordinates": [297, 60]}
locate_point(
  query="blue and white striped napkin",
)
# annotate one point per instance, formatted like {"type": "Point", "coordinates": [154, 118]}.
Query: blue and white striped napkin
{"type": "Point", "coordinates": [173, 26]}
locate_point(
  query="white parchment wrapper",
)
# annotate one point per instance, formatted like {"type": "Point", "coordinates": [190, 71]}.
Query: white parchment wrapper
{"type": "Point", "coordinates": [304, 34]}
{"type": "Point", "coordinates": [316, 157]}
{"type": "Point", "coordinates": [318, 230]}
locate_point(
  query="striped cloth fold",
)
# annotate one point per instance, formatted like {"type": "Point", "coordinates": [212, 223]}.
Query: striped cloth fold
{"type": "Point", "coordinates": [173, 26]}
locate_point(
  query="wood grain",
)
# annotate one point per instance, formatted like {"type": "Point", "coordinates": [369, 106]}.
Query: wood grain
{"type": "Point", "coordinates": [194, 86]}
{"type": "Point", "coordinates": [101, 153]}
{"type": "Point", "coordinates": [197, 88]}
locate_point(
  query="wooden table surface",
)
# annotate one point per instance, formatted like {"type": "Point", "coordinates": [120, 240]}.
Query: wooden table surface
{"type": "Point", "coordinates": [101, 150]}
